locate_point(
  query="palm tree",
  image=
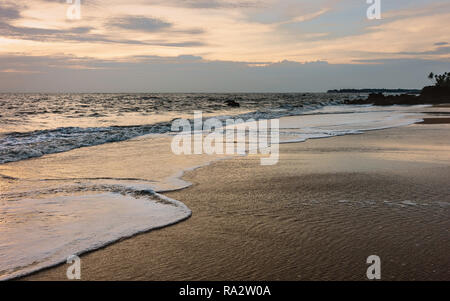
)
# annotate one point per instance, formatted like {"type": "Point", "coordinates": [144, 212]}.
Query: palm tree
{"type": "Point", "coordinates": [441, 80]}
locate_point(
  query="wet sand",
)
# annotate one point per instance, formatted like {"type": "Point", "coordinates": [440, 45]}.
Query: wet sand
{"type": "Point", "coordinates": [316, 215]}
{"type": "Point", "coordinates": [436, 121]}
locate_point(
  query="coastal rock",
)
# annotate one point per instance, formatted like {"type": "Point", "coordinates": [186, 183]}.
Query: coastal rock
{"type": "Point", "coordinates": [435, 94]}
{"type": "Point", "coordinates": [428, 95]}
{"type": "Point", "coordinates": [232, 103]}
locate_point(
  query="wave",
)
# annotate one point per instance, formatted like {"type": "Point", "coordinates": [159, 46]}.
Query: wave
{"type": "Point", "coordinates": [81, 217]}
{"type": "Point", "coordinates": [20, 146]}
{"type": "Point", "coordinates": [16, 146]}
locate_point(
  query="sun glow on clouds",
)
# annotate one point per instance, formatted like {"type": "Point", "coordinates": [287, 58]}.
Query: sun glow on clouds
{"type": "Point", "coordinates": [224, 30]}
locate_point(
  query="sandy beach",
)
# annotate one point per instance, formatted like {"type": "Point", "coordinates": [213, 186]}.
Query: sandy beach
{"type": "Point", "coordinates": [316, 215]}
{"type": "Point", "coordinates": [220, 141]}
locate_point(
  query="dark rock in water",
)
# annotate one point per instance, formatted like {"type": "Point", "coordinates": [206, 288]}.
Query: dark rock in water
{"type": "Point", "coordinates": [429, 95]}
{"type": "Point", "coordinates": [149, 97]}
{"type": "Point", "coordinates": [232, 103]}
{"type": "Point", "coordinates": [379, 99]}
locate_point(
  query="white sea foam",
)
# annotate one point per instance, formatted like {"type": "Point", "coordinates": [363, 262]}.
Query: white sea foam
{"type": "Point", "coordinates": [333, 121]}
{"type": "Point", "coordinates": [40, 232]}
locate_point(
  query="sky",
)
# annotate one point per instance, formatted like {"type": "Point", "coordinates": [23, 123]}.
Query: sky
{"type": "Point", "coordinates": [220, 45]}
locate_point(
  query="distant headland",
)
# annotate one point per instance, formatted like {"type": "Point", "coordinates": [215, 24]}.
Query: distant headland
{"type": "Point", "coordinates": [439, 93]}
{"type": "Point", "coordinates": [407, 91]}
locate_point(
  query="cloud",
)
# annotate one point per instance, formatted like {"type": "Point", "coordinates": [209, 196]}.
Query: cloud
{"type": "Point", "coordinates": [256, 32]}
{"type": "Point", "coordinates": [27, 32]}
{"type": "Point", "coordinates": [213, 4]}
{"type": "Point", "coordinates": [307, 17]}
{"type": "Point", "coordinates": [182, 44]}
{"type": "Point", "coordinates": [81, 34]}
{"type": "Point", "coordinates": [76, 34]}
{"type": "Point", "coordinates": [9, 12]}
{"type": "Point", "coordinates": [142, 24]}
{"type": "Point", "coordinates": [438, 50]}
{"type": "Point", "coordinates": [151, 25]}
{"type": "Point", "coordinates": [189, 73]}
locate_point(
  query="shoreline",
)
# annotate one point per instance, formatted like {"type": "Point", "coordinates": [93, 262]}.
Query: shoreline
{"type": "Point", "coordinates": [116, 251]}
{"type": "Point", "coordinates": [182, 184]}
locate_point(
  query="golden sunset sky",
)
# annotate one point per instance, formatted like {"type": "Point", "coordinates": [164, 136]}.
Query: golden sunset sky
{"type": "Point", "coordinates": [37, 37]}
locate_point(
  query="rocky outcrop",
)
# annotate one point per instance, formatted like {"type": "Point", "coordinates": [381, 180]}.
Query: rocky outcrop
{"type": "Point", "coordinates": [428, 95]}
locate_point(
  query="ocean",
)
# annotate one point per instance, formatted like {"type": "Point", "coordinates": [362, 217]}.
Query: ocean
{"type": "Point", "coordinates": [79, 171]}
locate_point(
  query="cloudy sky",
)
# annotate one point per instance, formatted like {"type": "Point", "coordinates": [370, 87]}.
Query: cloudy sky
{"type": "Point", "coordinates": [220, 45]}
